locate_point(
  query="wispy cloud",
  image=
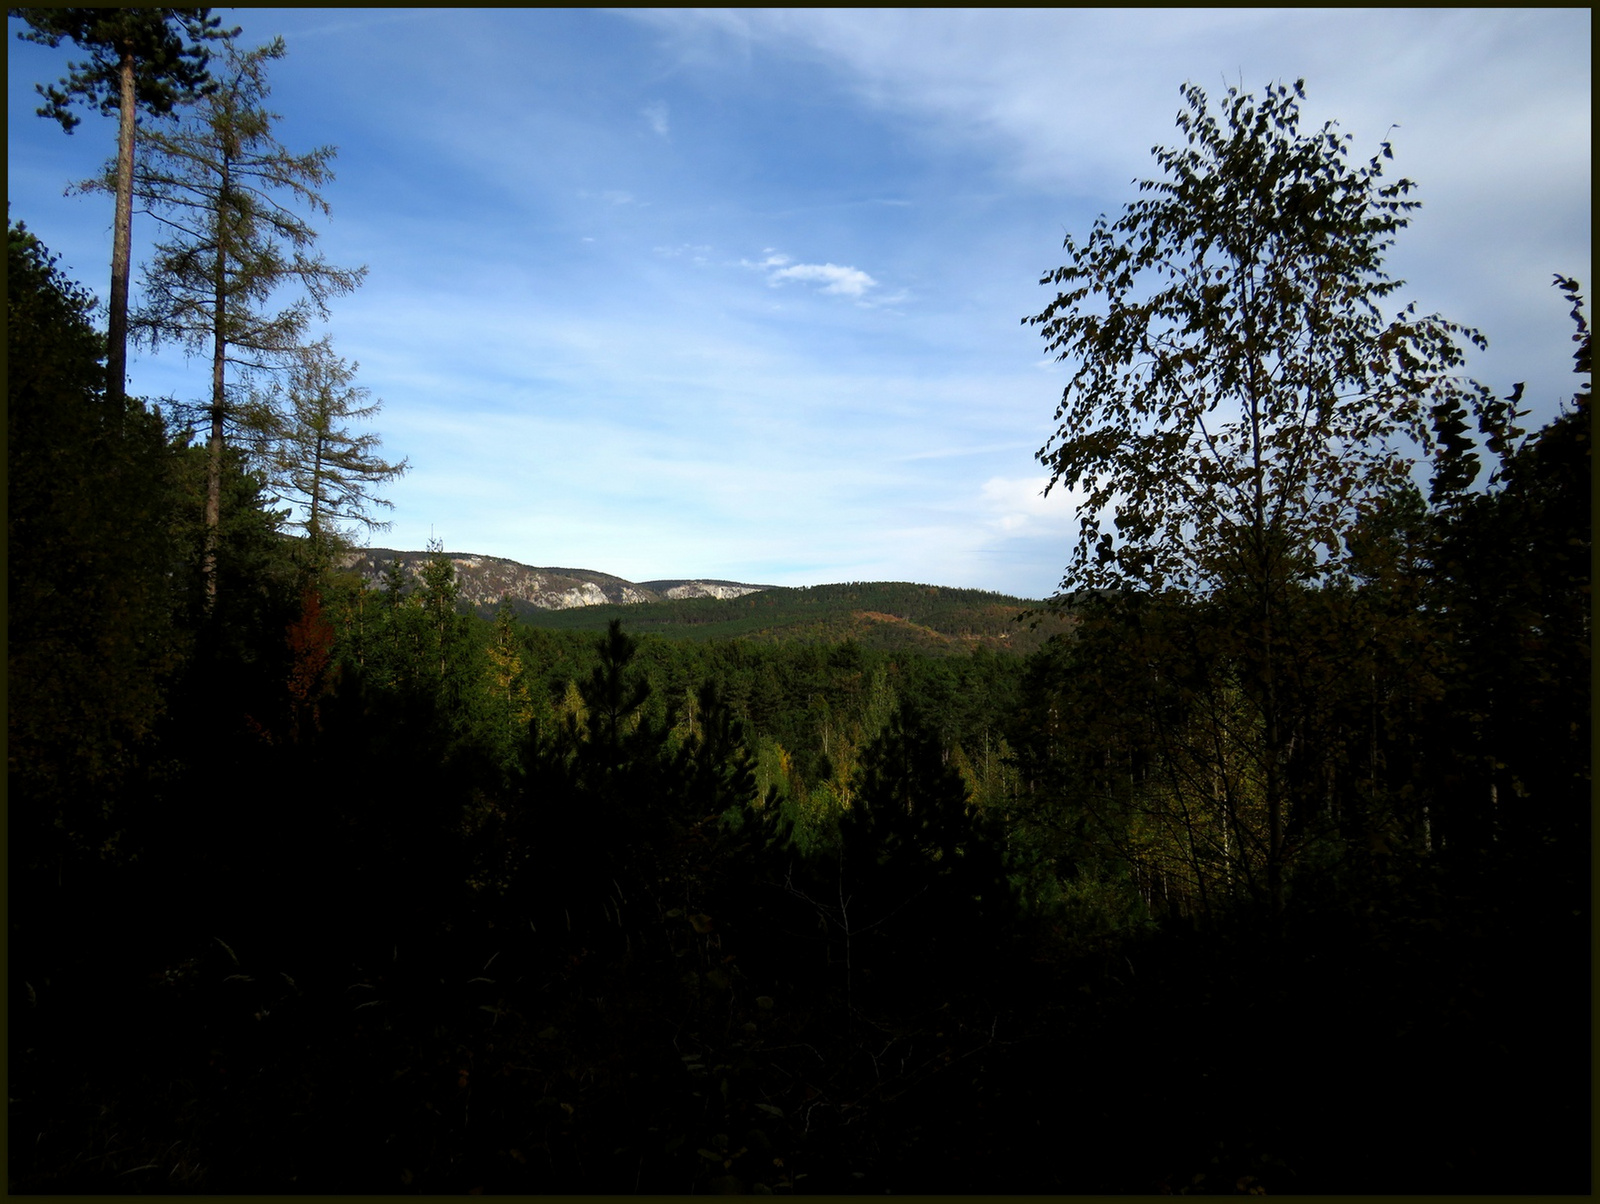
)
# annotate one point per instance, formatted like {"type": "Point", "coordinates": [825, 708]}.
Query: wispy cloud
{"type": "Point", "coordinates": [838, 279]}
{"type": "Point", "coordinates": [583, 369]}
{"type": "Point", "coordinates": [695, 253]}
{"type": "Point", "coordinates": [845, 281]}
{"type": "Point", "coordinates": [1019, 506]}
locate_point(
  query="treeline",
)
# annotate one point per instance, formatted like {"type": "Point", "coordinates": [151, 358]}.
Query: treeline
{"type": "Point", "coordinates": [886, 615]}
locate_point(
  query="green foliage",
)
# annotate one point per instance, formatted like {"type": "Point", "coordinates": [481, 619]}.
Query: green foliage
{"type": "Point", "coordinates": [313, 458]}
{"type": "Point", "coordinates": [1237, 396]}
{"type": "Point", "coordinates": [91, 638]}
{"type": "Point", "coordinates": [167, 72]}
{"type": "Point", "coordinates": [898, 616]}
{"type": "Point", "coordinates": [1508, 577]}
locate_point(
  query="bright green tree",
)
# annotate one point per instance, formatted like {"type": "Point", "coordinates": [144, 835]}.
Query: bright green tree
{"type": "Point", "coordinates": [138, 62]}
{"type": "Point", "coordinates": [1239, 401]}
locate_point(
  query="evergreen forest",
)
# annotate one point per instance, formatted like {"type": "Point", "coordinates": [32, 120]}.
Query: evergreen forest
{"type": "Point", "coordinates": [1277, 883]}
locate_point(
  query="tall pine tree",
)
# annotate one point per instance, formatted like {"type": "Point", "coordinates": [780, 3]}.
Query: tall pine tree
{"type": "Point", "coordinates": [138, 61]}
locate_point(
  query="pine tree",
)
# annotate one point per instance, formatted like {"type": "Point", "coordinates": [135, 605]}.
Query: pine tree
{"type": "Point", "coordinates": [138, 61]}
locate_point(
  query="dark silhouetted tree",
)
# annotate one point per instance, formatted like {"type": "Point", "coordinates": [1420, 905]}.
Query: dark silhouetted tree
{"type": "Point", "coordinates": [1238, 399]}
{"type": "Point", "coordinates": [90, 640]}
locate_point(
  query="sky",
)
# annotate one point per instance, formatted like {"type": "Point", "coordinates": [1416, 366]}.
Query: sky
{"type": "Point", "coordinates": [739, 295]}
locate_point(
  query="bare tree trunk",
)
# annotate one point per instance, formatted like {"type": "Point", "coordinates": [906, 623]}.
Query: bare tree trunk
{"type": "Point", "coordinates": [1274, 752]}
{"type": "Point", "coordinates": [121, 248]}
{"type": "Point", "coordinates": [214, 475]}
{"type": "Point", "coordinates": [219, 361]}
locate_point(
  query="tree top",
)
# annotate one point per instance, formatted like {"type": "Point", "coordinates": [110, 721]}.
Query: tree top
{"type": "Point", "coordinates": [167, 72]}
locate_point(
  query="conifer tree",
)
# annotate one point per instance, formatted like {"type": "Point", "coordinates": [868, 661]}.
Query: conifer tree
{"type": "Point", "coordinates": [91, 633]}
{"type": "Point", "coordinates": [314, 458]}
{"type": "Point", "coordinates": [227, 193]}
{"type": "Point", "coordinates": [138, 61]}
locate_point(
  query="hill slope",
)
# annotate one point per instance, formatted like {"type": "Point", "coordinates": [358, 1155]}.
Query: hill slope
{"type": "Point", "coordinates": [879, 614]}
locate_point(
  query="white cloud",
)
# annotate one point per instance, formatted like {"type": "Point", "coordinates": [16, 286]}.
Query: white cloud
{"type": "Point", "coordinates": [843, 281]}
{"type": "Point", "coordinates": [1018, 506]}
{"type": "Point", "coordinates": [656, 114]}
{"type": "Point", "coordinates": [611, 196]}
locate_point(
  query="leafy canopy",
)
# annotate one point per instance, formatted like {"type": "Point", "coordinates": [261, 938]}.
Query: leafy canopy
{"type": "Point", "coordinates": [1238, 399]}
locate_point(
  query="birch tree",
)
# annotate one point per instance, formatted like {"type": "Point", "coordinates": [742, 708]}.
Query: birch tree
{"type": "Point", "coordinates": [1239, 402]}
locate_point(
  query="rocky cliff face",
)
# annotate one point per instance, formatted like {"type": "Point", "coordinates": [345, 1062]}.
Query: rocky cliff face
{"type": "Point", "coordinates": [702, 589]}
{"type": "Point", "coordinates": [485, 580]}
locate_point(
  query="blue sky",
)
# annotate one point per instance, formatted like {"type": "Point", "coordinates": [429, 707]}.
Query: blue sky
{"type": "Point", "coordinates": [738, 294]}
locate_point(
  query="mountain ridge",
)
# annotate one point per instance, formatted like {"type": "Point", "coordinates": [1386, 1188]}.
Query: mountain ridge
{"type": "Point", "coordinates": [937, 620]}
{"type": "Point", "coordinates": [485, 580]}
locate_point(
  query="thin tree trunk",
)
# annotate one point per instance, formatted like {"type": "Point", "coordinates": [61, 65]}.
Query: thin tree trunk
{"type": "Point", "coordinates": [1274, 781]}
{"type": "Point", "coordinates": [214, 472]}
{"type": "Point", "coordinates": [219, 360]}
{"type": "Point", "coordinates": [313, 527]}
{"type": "Point", "coordinates": [121, 248]}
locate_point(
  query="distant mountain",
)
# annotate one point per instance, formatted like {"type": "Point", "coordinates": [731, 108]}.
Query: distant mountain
{"type": "Point", "coordinates": [485, 580]}
{"type": "Point", "coordinates": [880, 614]}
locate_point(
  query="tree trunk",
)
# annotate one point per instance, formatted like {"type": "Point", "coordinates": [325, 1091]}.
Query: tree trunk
{"type": "Point", "coordinates": [121, 248]}
{"type": "Point", "coordinates": [214, 474]}
{"type": "Point", "coordinates": [314, 526]}
{"type": "Point", "coordinates": [219, 361]}
{"type": "Point", "coordinates": [1274, 784]}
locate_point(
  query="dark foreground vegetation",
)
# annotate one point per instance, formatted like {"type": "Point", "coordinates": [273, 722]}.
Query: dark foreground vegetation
{"type": "Point", "coordinates": [343, 890]}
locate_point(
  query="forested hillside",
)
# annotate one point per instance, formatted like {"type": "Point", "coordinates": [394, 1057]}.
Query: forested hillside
{"type": "Point", "coordinates": [876, 614]}
{"type": "Point", "coordinates": [1279, 883]}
